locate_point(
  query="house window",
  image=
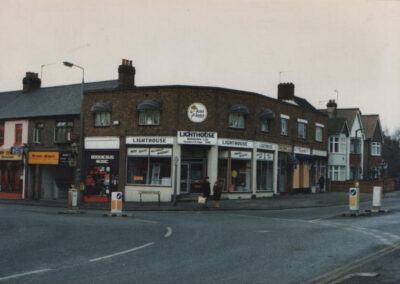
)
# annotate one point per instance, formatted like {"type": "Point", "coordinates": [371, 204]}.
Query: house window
{"type": "Point", "coordinates": [355, 146]}
{"type": "Point", "coordinates": [337, 145]}
{"type": "Point", "coordinates": [1, 133]}
{"type": "Point", "coordinates": [18, 134]}
{"type": "Point", "coordinates": [318, 133]}
{"type": "Point", "coordinates": [237, 120]}
{"type": "Point", "coordinates": [102, 119]}
{"type": "Point", "coordinates": [376, 149]}
{"type": "Point", "coordinates": [38, 132]}
{"type": "Point", "coordinates": [301, 130]}
{"type": "Point", "coordinates": [63, 131]}
{"type": "Point", "coordinates": [284, 126]}
{"type": "Point", "coordinates": [149, 117]}
{"type": "Point", "coordinates": [337, 173]}
{"type": "Point", "coordinates": [264, 125]}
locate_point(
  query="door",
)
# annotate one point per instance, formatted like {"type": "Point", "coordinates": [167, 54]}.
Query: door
{"type": "Point", "coordinates": [282, 173]}
{"type": "Point", "coordinates": [196, 170]}
{"type": "Point", "coordinates": [185, 178]}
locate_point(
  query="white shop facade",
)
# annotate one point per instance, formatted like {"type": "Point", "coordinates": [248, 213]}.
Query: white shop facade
{"type": "Point", "coordinates": [247, 169]}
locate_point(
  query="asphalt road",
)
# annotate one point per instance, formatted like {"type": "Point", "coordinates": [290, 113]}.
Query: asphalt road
{"type": "Point", "coordinates": [38, 245]}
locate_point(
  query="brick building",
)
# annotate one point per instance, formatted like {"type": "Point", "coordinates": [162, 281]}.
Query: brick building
{"type": "Point", "coordinates": [135, 138]}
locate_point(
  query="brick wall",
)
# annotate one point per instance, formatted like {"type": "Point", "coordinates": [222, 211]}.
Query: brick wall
{"type": "Point", "coordinates": [366, 186]}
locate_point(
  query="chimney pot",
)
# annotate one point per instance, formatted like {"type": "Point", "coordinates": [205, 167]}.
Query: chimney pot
{"type": "Point", "coordinates": [31, 82]}
{"type": "Point", "coordinates": [126, 73]}
{"type": "Point", "coordinates": [285, 91]}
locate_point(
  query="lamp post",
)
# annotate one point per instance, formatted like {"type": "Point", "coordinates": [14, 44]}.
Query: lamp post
{"type": "Point", "coordinates": [176, 160]}
{"type": "Point", "coordinates": [79, 166]}
{"type": "Point", "coordinates": [356, 183]}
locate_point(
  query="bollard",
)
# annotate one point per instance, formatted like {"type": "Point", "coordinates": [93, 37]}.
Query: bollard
{"type": "Point", "coordinates": [116, 202]}
{"type": "Point", "coordinates": [377, 199]}
{"type": "Point", "coordinates": [72, 198]}
{"type": "Point", "coordinates": [354, 199]}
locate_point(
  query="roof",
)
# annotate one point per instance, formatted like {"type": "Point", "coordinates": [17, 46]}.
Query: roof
{"type": "Point", "coordinates": [49, 101]}
{"type": "Point", "coordinates": [337, 125]}
{"type": "Point", "coordinates": [348, 113]}
{"type": "Point", "coordinates": [369, 123]}
{"type": "Point", "coordinates": [303, 103]}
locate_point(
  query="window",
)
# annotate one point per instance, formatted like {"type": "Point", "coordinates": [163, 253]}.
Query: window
{"type": "Point", "coordinates": [337, 173]}
{"type": "Point", "coordinates": [149, 166]}
{"type": "Point", "coordinates": [301, 130]}
{"type": "Point", "coordinates": [318, 133]}
{"type": "Point", "coordinates": [264, 125]}
{"type": "Point", "coordinates": [284, 126]}
{"type": "Point", "coordinates": [375, 149]}
{"type": "Point", "coordinates": [149, 117]}
{"type": "Point", "coordinates": [337, 145]}
{"type": "Point", "coordinates": [236, 120]}
{"type": "Point", "coordinates": [18, 134]}
{"type": "Point", "coordinates": [355, 146]}
{"type": "Point", "coordinates": [102, 119]}
{"type": "Point", "coordinates": [1, 133]}
{"type": "Point", "coordinates": [38, 132]}
{"type": "Point", "coordinates": [63, 131]}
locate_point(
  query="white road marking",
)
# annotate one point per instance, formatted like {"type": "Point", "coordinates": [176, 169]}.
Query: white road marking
{"type": "Point", "coordinates": [121, 252]}
{"type": "Point", "coordinates": [169, 232]}
{"type": "Point", "coordinates": [24, 274]}
{"type": "Point", "coordinates": [263, 231]}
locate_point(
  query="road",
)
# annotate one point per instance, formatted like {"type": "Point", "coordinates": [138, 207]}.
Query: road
{"type": "Point", "coordinates": [314, 245]}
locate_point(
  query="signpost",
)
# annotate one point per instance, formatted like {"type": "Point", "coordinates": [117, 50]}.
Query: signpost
{"type": "Point", "coordinates": [354, 199]}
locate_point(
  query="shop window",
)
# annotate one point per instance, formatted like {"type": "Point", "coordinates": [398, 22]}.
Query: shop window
{"type": "Point", "coordinates": [264, 125]}
{"type": "Point", "coordinates": [1, 133]}
{"type": "Point", "coordinates": [149, 117]}
{"type": "Point", "coordinates": [375, 149]}
{"type": "Point", "coordinates": [63, 131]}
{"type": "Point", "coordinates": [149, 167]}
{"type": "Point", "coordinates": [237, 120]}
{"type": "Point", "coordinates": [337, 145]}
{"type": "Point", "coordinates": [38, 133]}
{"type": "Point", "coordinates": [337, 173]}
{"type": "Point", "coordinates": [264, 171]}
{"type": "Point", "coordinates": [355, 146]}
{"type": "Point", "coordinates": [18, 134]}
{"type": "Point", "coordinates": [102, 119]}
{"type": "Point", "coordinates": [239, 162]}
{"type": "Point", "coordinates": [301, 130]}
{"type": "Point", "coordinates": [318, 133]}
{"type": "Point", "coordinates": [284, 126]}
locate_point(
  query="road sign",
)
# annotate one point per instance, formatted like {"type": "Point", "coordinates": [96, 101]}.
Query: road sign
{"type": "Point", "coordinates": [116, 202]}
{"type": "Point", "coordinates": [377, 197]}
{"type": "Point", "coordinates": [354, 199]}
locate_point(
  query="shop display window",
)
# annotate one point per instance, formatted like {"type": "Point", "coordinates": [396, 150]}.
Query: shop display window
{"type": "Point", "coordinates": [240, 175]}
{"type": "Point", "coordinates": [264, 175]}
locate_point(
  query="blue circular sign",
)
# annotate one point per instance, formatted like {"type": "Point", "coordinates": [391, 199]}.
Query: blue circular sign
{"type": "Point", "coordinates": [119, 195]}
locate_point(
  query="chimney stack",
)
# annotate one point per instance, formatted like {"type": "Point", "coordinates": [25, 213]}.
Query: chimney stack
{"type": "Point", "coordinates": [126, 73]}
{"type": "Point", "coordinates": [331, 108]}
{"type": "Point", "coordinates": [31, 82]}
{"type": "Point", "coordinates": [285, 91]}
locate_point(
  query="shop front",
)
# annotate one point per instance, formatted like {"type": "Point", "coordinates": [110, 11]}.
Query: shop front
{"type": "Point", "coordinates": [197, 159]}
{"type": "Point", "coordinates": [319, 169]}
{"type": "Point", "coordinates": [235, 165]}
{"type": "Point", "coordinates": [301, 173]}
{"type": "Point", "coordinates": [265, 167]}
{"type": "Point", "coordinates": [285, 158]}
{"type": "Point", "coordinates": [101, 168]}
{"type": "Point", "coordinates": [11, 175]}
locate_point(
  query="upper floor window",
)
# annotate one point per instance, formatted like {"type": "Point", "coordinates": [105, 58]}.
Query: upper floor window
{"type": "Point", "coordinates": [302, 128]}
{"type": "Point", "coordinates": [237, 116]}
{"type": "Point", "coordinates": [266, 115]}
{"type": "Point", "coordinates": [355, 146]}
{"type": "Point", "coordinates": [102, 119]}
{"type": "Point", "coordinates": [337, 145]}
{"type": "Point", "coordinates": [18, 134]}
{"type": "Point", "coordinates": [149, 112]}
{"type": "Point", "coordinates": [38, 133]}
{"type": "Point", "coordinates": [63, 131]}
{"type": "Point", "coordinates": [375, 148]}
{"type": "Point", "coordinates": [102, 113]}
{"type": "Point", "coordinates": [264, 126]}
{"type": "Point", "coordinates": [318, 132]}
{"type": "Point", "coordinates": [1, 133]}
{"type": "Point", "coordinates": [236, 120]}
{"type": "Point", "coordinates": [284, 125]}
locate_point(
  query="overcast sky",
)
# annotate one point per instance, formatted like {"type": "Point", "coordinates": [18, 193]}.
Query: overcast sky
{"type": "Point", "coordinates": [352, 46]}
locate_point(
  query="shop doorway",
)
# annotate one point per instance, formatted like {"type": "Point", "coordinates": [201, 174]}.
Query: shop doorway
{"type": "Point", "coordinates": [192, 175]}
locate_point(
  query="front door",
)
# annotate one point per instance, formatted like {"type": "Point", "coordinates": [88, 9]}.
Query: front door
{"type": "Point", "coordinates": [192, 174]}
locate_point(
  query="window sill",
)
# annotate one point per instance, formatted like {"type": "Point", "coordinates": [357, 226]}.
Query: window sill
{"type": "Point", "coordinates": [237, 128]}
{"type": "Point", "coordinates": [102, 126]}
{"type": "Point", "coordinates": [148, 124]}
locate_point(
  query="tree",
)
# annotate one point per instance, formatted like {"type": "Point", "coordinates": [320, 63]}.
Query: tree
{"type": "Point", "coordinates": [391, 153]}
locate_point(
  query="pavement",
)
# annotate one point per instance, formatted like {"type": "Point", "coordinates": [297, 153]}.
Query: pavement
{"type": "Point", "coordinates": [295, 201]}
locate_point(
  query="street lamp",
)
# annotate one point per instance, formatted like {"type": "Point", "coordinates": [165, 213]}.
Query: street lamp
{"type": "Point", "coordinates": [78, 147]}
{"type": "Point", "coordinates": [358, 145]}
{"type": "Point", "coordinates": [176, 160]}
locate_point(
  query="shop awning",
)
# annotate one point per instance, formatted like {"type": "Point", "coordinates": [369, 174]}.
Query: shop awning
{"type": "Point", "coordinates": [267, 114]}
{"type": "Point", "coordinates": [150, 105]}
{"type": "Point", "coordinates": [305, 157]}
{"type": "Point", "coordinates": [238, 108]}
{"type": "Point", "coordinates": [101, 107]}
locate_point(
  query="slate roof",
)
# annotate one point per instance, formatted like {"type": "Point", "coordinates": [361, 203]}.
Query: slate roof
{"type": "Point", "coordinates": [49, 101]}
{"type": "Point", "coordinates": [369, 123]}
{"type": "Point", "coordinates": [303, 103]}
{"type": "Point", "coordinates": [337, 125]}
{"type": "Point", "coordinates": [348, 113]}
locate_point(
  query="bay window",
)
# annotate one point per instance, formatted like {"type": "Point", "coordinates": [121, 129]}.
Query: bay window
{"type": "Point", "coordinates": [337, 144]}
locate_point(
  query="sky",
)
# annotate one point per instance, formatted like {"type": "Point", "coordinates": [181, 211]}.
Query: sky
{"type": "Point", "coordinates": [352, 46]}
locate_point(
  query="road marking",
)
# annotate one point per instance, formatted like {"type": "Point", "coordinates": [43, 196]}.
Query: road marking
{"type": "Point", "coordinates": [169, 232]}
{"type": "Point", "coordinates": [121, 252]}
{"type": "Point", "coordinates": [362, 274]}
{"type": "Point", "coordinates": [263, 231]}
{"type": "Point", "coordinates": [24, 274]}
